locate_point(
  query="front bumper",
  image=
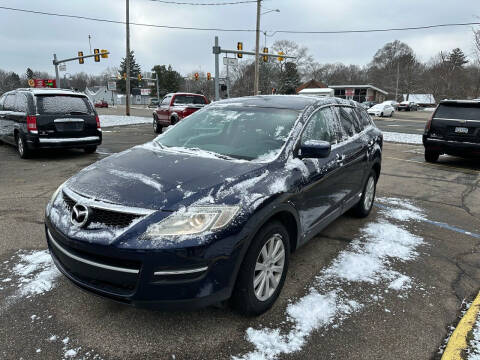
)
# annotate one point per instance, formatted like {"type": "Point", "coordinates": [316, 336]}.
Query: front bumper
{"type": "Point", "coordinates": [451, 147]}
{"type": "Point", "coordinates": [158, 279]}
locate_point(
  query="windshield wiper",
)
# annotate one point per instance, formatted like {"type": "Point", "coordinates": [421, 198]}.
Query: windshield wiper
{"type": "Point", "coordinates": [77, 113]}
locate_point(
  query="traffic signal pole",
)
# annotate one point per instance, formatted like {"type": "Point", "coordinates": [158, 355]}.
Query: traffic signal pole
{"type": "Point", "coordinates": [57, 76]}
{"type": "Point", "coordinates": [127, 61]}
{"type": "Point", "coordinates": [257, 50]}
{"type": "Point", "coordinates": [216, 51]}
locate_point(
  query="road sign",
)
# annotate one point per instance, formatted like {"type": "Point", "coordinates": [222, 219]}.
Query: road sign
{"type": "Point", "coordinates": [112, 85]}
{"type": "Point", "coordinates": [138, 99]}
{"type": "Point", "coordinates": [145, 92]}
{"type": "Point", "coordinates": [31, 82]}
{"type": "Point", "coordinates": [151, 83]}
{"type": "Point", "coordinates": [62, 67]}
{"type": "Point", "coordinates": [230, 61]}
{"type": "Point", "coordinates": [41, 83]}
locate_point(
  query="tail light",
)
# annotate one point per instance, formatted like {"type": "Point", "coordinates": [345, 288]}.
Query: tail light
{"type": "Point", "coordinates": [98, 122]}
{"type": "Point", "coordinates": [32, 124]}
{"type": "Point", "coordinates": [429, 122]}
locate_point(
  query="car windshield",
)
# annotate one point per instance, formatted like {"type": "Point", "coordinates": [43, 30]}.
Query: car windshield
{"type": "Point", "coordinates": [63, 104]}
{"type": "Point", "coordinates": [236, 132]}
{"type": "Point", "coordinates": [189, 99]}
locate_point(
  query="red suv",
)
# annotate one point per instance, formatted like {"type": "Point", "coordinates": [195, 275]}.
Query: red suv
{"type": "Point", "coordinates": [174, 107]}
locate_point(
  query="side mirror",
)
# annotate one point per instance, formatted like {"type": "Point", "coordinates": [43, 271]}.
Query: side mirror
{"type": "Point", "coordinates": [315, 149]}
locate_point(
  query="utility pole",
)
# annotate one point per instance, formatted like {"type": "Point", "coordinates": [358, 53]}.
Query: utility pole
{"type": "Point", "coordinates": [127, 61]}
{"type": "Point", "coordinates": [257, 49]}
{"type": "Point", "coordinates": [57, 76]}
{"type": "Point", "coordinates": [216, 51]}
{"type": "Point", "coordinates": [89, 43]}
{"type": "Point", "coordinates": [398, 75]}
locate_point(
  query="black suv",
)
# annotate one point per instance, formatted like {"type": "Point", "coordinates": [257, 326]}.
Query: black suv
{"type": "Point", "coordinates": [453, 129]}
{"type": "Point", "coordinates": [48, 118]}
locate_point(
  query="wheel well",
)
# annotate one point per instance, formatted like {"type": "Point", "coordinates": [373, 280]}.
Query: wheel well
{"type": "Point", "coordinates": [288, 220]}
{"type": "Point", "coordinates": [15, 134]}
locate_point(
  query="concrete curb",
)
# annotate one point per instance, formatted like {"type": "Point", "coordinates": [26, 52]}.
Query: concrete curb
{"type": "Point", "coordinates": [458, 340]}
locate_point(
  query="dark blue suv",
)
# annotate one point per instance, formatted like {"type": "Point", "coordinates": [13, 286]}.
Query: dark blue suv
{"type": "Point", "coordinates": [212, 209]}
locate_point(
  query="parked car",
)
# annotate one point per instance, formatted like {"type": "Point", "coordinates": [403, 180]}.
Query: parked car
{"type": "Point", "coordinates": [32, 119]}
{"type": "Point", "coordinates": [174, 107]}
{"type": "Point", "coordinates": [453, 129]}
{"type": "Point", "coordinates": [368, 104]}
{"type": "Point", "coordinates": [381, 110]}
{"type": "Point", "coordinates": [407, 106]}
{"type": "Point", "coordinates": [392, 103]}
{"type": "Point", "coordinates": [213, 208]}
{"type": "Point", "coordinates": [153, 103]}
{"type": "Point", "coordinates": [101, 104]}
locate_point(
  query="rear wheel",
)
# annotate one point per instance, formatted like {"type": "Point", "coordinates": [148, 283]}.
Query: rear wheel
{"type": "Point", "coordinates": [391, 114]}
{"type": "Point", "coordinates": [431, 156]}
{"type": "Point", "coordinates": [90, 149]}
{"type": "Point", "coordinates": [381, 114]}
{"type": "Point", "coordinates": [22, 149]}
{"type": "Point", "coordinates": [263, 271]}
{"type": "Point", "coordinates": [364, 206]}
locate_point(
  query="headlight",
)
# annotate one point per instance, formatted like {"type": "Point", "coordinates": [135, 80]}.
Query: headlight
{"type": "Point", "coordinates": [54, 196]}
{"type": "Point", "coordinates": [194, 220]}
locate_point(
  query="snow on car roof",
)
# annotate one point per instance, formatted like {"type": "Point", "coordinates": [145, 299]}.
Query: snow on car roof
{"type": "Point", "coordinates": [53, 92]}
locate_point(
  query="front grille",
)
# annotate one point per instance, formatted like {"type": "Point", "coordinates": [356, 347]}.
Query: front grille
{"type": "Point", "coordinates": [105, 217]}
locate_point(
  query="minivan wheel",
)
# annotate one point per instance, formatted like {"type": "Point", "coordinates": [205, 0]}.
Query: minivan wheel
{"type": "Point", "coordinates": [90, 149]}
{"type": "Point", "coordinates": [364, 206]}
{"type": "Point", "coordinates": [431, 156]}
{"type": "Point", "coordinates": [22, 148]}
{"type": "Point", "coordinates": [263, 271]}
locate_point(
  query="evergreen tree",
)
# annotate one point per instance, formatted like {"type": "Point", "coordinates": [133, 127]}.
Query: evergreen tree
{"type": "Point", "coordinates": [169, 79]}
{"type": "Point", "coordinates": [134, 72]}
{"type": "Point", "coordinates": [457, 58]}
{"type": "Point", "coordinates": [289, 79]}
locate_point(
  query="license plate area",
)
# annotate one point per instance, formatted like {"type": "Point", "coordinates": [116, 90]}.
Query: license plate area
{"type": "Point", "coordinates": [68, 125]}
{"type": "Point", "coordinates": [461, 130]}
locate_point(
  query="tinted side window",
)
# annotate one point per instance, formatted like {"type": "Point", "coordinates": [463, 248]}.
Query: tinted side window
{"type": "Point", "coordinates": [365, 119]}
{"type": "Point", "coordinates": [346, 121]}
{"type": "Point", "coordinates": [9, 104]}
{"type": "Point", "coordinates": [321, 127]}
{"type": "Point", "coordinates": [21, 103]}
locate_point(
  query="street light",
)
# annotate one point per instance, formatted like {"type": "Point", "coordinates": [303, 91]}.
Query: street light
{"type": "Point", "coordinates": [269, 11]}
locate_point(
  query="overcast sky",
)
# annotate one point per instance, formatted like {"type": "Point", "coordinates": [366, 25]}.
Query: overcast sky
{"type": "Point", "coordinates": [29, 40]}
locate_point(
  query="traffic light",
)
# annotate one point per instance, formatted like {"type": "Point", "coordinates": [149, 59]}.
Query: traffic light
{"type": "Point", "coordinates": [196, 76]}
{"type": "Point", "coordinates": [81, 60]}
{"type": "Point", "coordinates": [280, 57]}
{"type": "Point", "coordinates": [96, 57]}
{"type": "Point", "coordinates": [209, 76]}
{"type": "Point", "coordinates": [265, 57]}
{"type": "Point", "coordinates": [139, 77]}
{"type": "Point", "coordinates": [239, 48]}
{"type": "Point", "coordinates": [124, 76]}
{"type": "Point", "coordinates": [104, 53]}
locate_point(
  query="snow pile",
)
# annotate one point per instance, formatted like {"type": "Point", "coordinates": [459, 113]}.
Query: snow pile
{"type": "Point", "coordinates": [474, 344]}
{"type": "Point", "coordinates": [430, 109]}
{"type": "Point", "coordinates": [402, 138]}
{"type": "Point", "coordinates": [37, 273]}
{"type": "Point", "coordinates": [118, 120]}
{"type": "Point", "coordinates": [368, 261]}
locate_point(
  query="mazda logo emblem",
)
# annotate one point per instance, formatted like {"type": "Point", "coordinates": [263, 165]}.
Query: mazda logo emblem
{"type": "Point", "coordinates": [80, 215]}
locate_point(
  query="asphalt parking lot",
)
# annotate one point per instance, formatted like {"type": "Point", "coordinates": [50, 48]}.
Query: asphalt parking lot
{"type": "Point", "coordinates": [408, 122]}
{"type": "Point", "coordinates": [438, 205]}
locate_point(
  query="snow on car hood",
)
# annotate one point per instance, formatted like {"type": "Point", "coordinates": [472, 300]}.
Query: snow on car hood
{"type": "Point", "coordinates": [157, 179]}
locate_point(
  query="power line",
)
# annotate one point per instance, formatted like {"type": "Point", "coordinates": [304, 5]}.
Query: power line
{"type": "Point", "coordinates": [238, 30]}
{"type": "Point", "coordinates": [205, 4]}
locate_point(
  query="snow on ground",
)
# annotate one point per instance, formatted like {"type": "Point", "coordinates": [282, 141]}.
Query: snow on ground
{"type": "Point", "coordinates": [430, 109]}
{"type": "Point", "coordinates": [402, 138]}
{"type": "Point", "coordinates": [33, 273]}
{"type": "Point", "coordinates": [368, 262]}
{"type": "Point", "coordinates": [474, 344]}
{"type": "Point", "coordinates": [117, 120]}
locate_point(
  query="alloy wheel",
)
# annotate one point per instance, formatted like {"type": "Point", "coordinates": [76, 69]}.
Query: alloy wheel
{"type": "Point", "coordinates": [20, 146]}
{"type": "Point", "coordinates": [269, 268]}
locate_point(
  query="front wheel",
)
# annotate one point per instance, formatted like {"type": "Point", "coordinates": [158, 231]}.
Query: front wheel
{"type": "Point", "coordinates": [156, 128]}
{"type": "Point", "coordinates": [263, 271]}
{"type": "Point", "coordinates": [391, 114]}
{"type": "Point", "coordinates": [364, 206]}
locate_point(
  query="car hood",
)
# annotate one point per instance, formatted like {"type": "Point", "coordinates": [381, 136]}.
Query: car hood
{"type": "Point", "coordinates": [159, 179]}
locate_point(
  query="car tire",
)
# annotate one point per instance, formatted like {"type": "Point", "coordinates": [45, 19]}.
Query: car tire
{"type": "Point", "coordinates": [381, 114]}
{"type": "Point", "coordinates": [22, 149]}
{"type": "Point", "coordinates": [271, 241]}
{"type": "Point", "coordinates": [365, 205]}
{"type": "Point", "coordinates": [156, 127]}
{"type": "Point", "coordinates": [391, 114]}
{"type": "Point", "coordinates": [90, 149]}
{"type": "Point", "coordinates": [431, 156]}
